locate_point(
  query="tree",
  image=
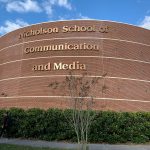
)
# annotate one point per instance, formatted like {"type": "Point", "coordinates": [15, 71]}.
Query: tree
{"type": "Point", "coordinates": [81, 102]}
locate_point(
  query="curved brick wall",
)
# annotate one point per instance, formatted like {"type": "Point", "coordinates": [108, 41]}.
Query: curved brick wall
{"type": "Point", "coordinates": [120, 51]}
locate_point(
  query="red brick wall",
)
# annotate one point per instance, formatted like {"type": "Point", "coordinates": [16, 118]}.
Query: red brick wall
{"type": "Point", "coordinates": [123, 55]}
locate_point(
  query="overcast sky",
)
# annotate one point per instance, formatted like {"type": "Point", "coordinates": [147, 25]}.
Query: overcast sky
{"type": "Point", "coordinates": [18, 13]}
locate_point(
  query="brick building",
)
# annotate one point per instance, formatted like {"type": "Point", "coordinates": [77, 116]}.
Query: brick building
{"type": "Point", "coordinates": [33, 57]}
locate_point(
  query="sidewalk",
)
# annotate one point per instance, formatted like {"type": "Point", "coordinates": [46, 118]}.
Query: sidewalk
{"type": "Point", "coordinates": [39, 143]}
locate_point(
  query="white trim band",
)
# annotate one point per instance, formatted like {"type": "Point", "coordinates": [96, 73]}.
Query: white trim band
{"type": "Point", "coordinates": [49, 76]}
{"type": "Point", "coordinates": [103, 57]}
{"type": "Point", "coordinates": [96, 98]}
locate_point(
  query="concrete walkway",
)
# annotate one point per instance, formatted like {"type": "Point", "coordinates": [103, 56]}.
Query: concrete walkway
{"type": "Point", "coordinates": [39, 143]}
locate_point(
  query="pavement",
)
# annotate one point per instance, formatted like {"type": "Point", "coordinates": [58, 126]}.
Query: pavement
{"type": "Point", "coordinates": [39, 143]}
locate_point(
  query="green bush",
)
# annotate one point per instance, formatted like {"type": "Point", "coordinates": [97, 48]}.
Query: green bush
{"type": "Point", "coordinates": [53, 124]}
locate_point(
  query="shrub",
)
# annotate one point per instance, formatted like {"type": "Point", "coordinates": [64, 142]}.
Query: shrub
{"type": "Point", "coordinates": [53, 124]}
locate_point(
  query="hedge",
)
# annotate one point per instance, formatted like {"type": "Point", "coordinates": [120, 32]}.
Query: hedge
{"type": "Point", "coordinates": [52, 124]}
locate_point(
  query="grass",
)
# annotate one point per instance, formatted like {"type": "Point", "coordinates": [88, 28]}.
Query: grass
{"type": "Point", "coordinates": [16, 147]}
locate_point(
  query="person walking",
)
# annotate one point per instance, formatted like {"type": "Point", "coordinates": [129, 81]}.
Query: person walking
{"type": "Point", "coordinates": [5, 124]}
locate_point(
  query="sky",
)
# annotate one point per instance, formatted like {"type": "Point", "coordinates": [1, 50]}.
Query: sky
{"type": "Point", "coordinates": [15, 14]}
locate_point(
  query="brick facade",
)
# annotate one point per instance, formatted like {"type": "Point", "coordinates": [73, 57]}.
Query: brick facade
{"type": "Point", "coordinates": [123, 56]}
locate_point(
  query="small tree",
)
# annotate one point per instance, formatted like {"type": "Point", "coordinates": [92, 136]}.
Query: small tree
{"type": "Point", "coordinates": [81, 103]}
